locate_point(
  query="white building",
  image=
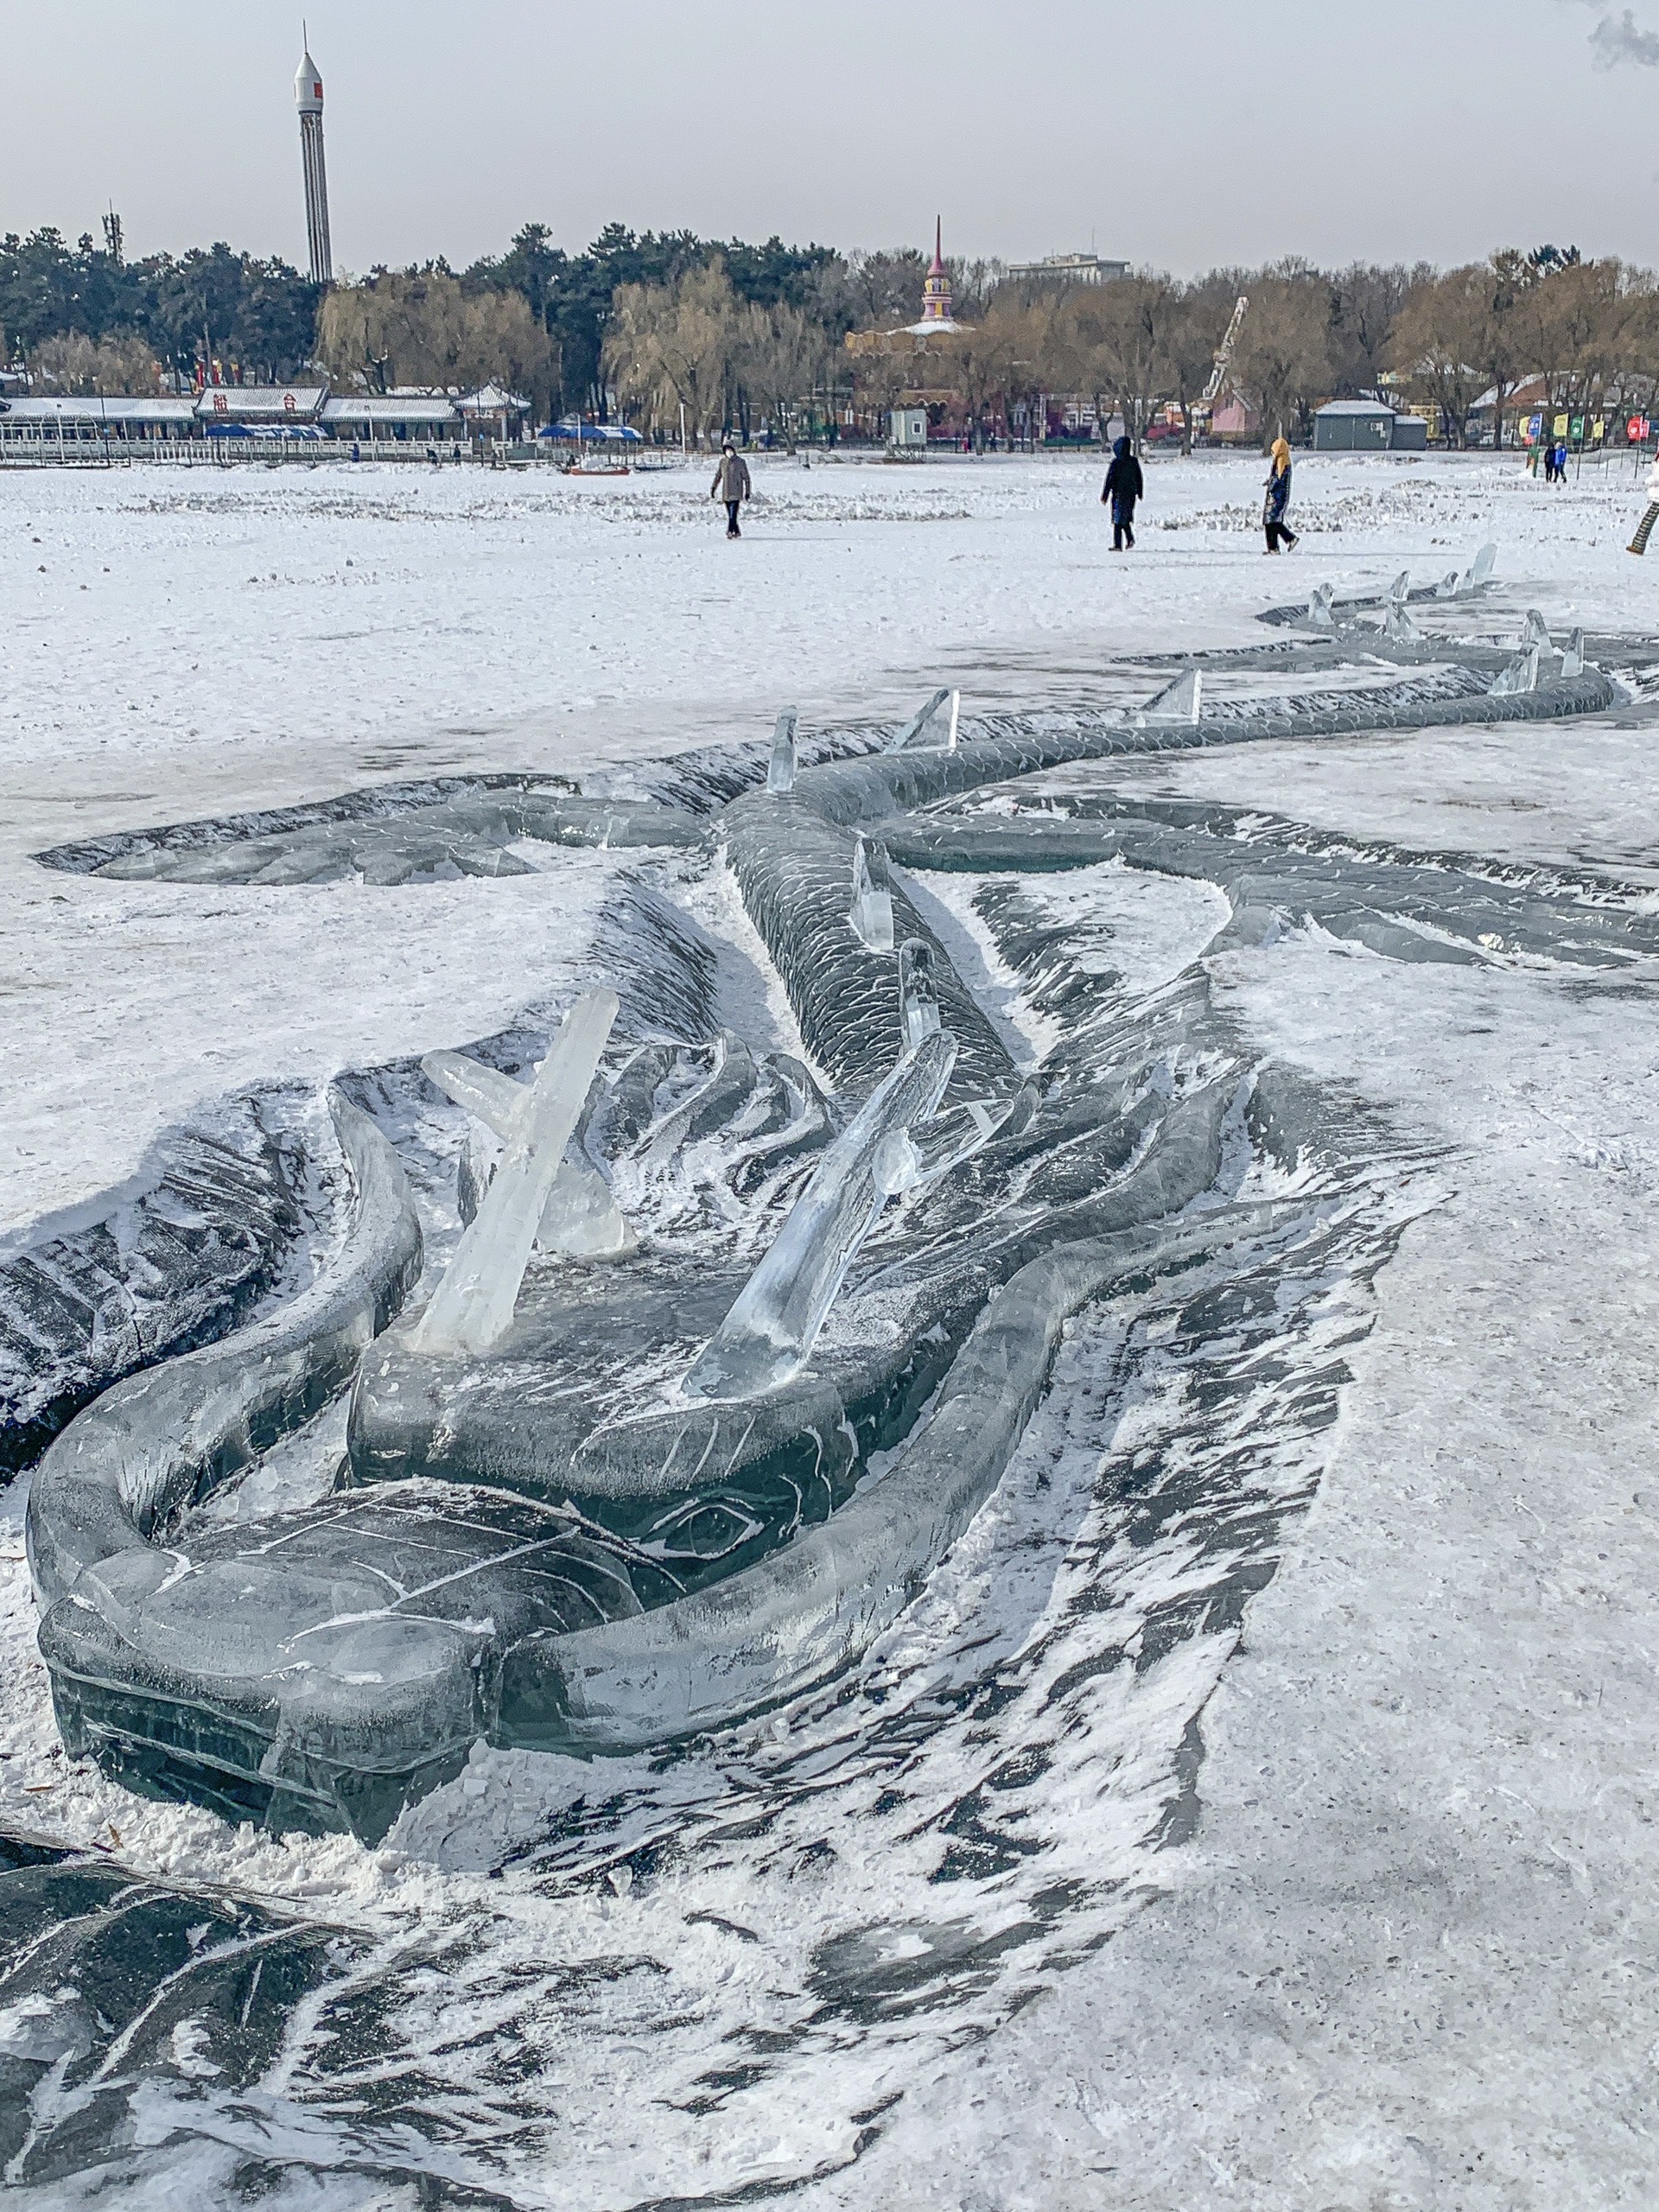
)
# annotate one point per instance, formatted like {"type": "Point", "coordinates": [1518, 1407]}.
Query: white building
{"type": "Point", "coordinates": [1068, 268]}
{"type": "Point", "coordinates": [425, 417]}
{"type": "Point", "coordinates": [26, 425]}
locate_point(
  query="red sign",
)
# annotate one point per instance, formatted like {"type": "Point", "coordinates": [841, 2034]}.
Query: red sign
{"type": "Point", "coordinates": [221, 405]}
{"type": "Point", "coordinates": [1636, 430]}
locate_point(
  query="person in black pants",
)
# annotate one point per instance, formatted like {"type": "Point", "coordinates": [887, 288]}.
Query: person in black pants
{"type": "Point", "coordinates": [1124, 485]}
{"type": "Point", "coordinates": [731, 484]}
{"type": "Point", "coordinates": [1277, 507]}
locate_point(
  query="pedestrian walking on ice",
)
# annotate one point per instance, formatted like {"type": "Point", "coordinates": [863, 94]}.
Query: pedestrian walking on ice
{"type": "Point", "coordinates": [1124, 485]}
{"type": "Point", "coordinates": [1644, 528]}
{"type": "Point", "coordinates": [731, 484]}
{"type": "Point", "coordinates": [1276, 506]}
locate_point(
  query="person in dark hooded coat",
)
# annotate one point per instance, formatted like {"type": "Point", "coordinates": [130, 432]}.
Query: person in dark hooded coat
{"type": "Point", "coordinates": [1124, 485]}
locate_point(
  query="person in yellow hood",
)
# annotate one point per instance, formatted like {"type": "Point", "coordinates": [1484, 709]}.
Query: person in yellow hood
{"type": "Point", "coordinates": [1277, 507]}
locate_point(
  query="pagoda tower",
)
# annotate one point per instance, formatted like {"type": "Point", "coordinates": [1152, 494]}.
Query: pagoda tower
{"type": "Point", "coordinates": [936, 285]}
{"type": "Point", "coordinates": [307, 96]}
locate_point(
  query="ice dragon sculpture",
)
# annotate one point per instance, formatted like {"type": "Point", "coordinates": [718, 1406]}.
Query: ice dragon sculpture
{"type": "Point", "coordinates": [618, 1475]}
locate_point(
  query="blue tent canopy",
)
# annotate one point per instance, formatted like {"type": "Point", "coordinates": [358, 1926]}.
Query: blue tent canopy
{"type": "Point", "coordinates": [263, 430]}
{"type": "Point", "coordinates": [574, 432]}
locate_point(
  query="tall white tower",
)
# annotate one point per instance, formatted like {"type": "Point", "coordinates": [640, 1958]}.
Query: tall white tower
{"type": "Point", "coordinates": [308, 98]}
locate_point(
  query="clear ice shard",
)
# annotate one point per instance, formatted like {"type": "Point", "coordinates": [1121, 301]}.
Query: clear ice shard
{"type": "Point", "coordinates": [492, 1097]}
{"type": "Point", "coordinates": [471, 1307]}
{"type": "Point", "coordinates": [1180, 701]}
{"type": "Point", "coordinates": [1520, 675]}
{"type": "Point", "coordinates": [872, 909]}
{"type": "Point", "coordinates": [920, 721]}
{"type": "Point", "coordinates": [1398, 624]}
{"type": "Point", "coordinates": [1400, 589]}
{"type": "Point", "coordinates": [1480, 571]}
{"type": "Point", "coordinates": [918, 993]}
{"type": "Point", "coordinates": [1321, 614]}
{"type": "Point", "coordinates": [903, 1164]}
{"type": "Point", "coordinates": [1448, 586]}
{"type": "Point", "coordinates": [780, 772]}
{"type": "Point", "coordinates": [1534, 631]}
{"type": "Point", "coordinates": [582, 1219]}
{"type": "Point", "coordinates": [1573, 658]}
{"type": "Point", "coordinates": [770, 1331]}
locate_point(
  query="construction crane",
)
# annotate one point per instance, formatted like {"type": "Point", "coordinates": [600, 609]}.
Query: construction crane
{"type": "Point", "coordinates": [1224, 354]}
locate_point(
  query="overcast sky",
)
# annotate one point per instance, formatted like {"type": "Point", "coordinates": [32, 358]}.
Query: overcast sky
{"type": "Point", "coordinates": [1217, 131]}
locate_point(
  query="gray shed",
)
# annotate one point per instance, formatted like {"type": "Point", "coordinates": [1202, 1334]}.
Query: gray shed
{"type": "Point", "coordinates": [1367, 426]}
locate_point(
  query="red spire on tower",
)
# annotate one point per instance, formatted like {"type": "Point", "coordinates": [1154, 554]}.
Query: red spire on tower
{"type": "Point", "coordinates": [936, 285]}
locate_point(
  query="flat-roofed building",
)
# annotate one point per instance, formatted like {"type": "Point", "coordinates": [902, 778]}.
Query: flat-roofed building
{"type": "Point", "coordinates": [73, 421]}
{"type": "Point", "coordinates": [422, 416]}
{"type": "Point", "coordinates": [1064, 269]}
{"type": "Point", "coordinates": [1367, 426]}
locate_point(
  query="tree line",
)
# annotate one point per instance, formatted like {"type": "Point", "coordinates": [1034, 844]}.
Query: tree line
{"type": "Point", "coordinates": [737, 334]}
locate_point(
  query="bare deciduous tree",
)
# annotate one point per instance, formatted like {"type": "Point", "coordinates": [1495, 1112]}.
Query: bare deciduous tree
{"type": "Point", "coordinates": [1366, 302]}
{"type": "Point", "coordinates": [419, 327]}
{"type": "Point", "coordinates": [1112, 339]}
{"type": "Point", "coordinates": [1194, 325]}
{"type": "Point", "coordinates": [1439, 342]}
{"type": "Point", "coordinates": [671, 345]}
{"type": "Point", "coordinates": [780, 356]}
{"type": "Point", "coordinates": [72, 363]}
{"type": "Point", "coordinates": [1283, 363]}
{"type": "Point", "coordinates": [978, 360]}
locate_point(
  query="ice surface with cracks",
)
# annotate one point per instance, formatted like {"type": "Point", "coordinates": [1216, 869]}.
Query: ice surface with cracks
{"type": "Point", "coordinates": [472, 1307]}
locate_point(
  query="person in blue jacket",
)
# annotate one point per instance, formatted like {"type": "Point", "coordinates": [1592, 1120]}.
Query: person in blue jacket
{"type": "Point", "coordinates": [1124, 485]}
{"type": "Point", "coordinates": [1276, 506]}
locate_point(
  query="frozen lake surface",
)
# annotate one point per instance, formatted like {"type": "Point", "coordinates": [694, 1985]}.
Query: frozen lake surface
{"type": "Point", "coordinates": [1257, 1806]}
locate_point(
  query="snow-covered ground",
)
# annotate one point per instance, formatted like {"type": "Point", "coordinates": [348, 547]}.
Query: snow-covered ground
{"type": "Point", "coordinates": [1404, 1961]}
